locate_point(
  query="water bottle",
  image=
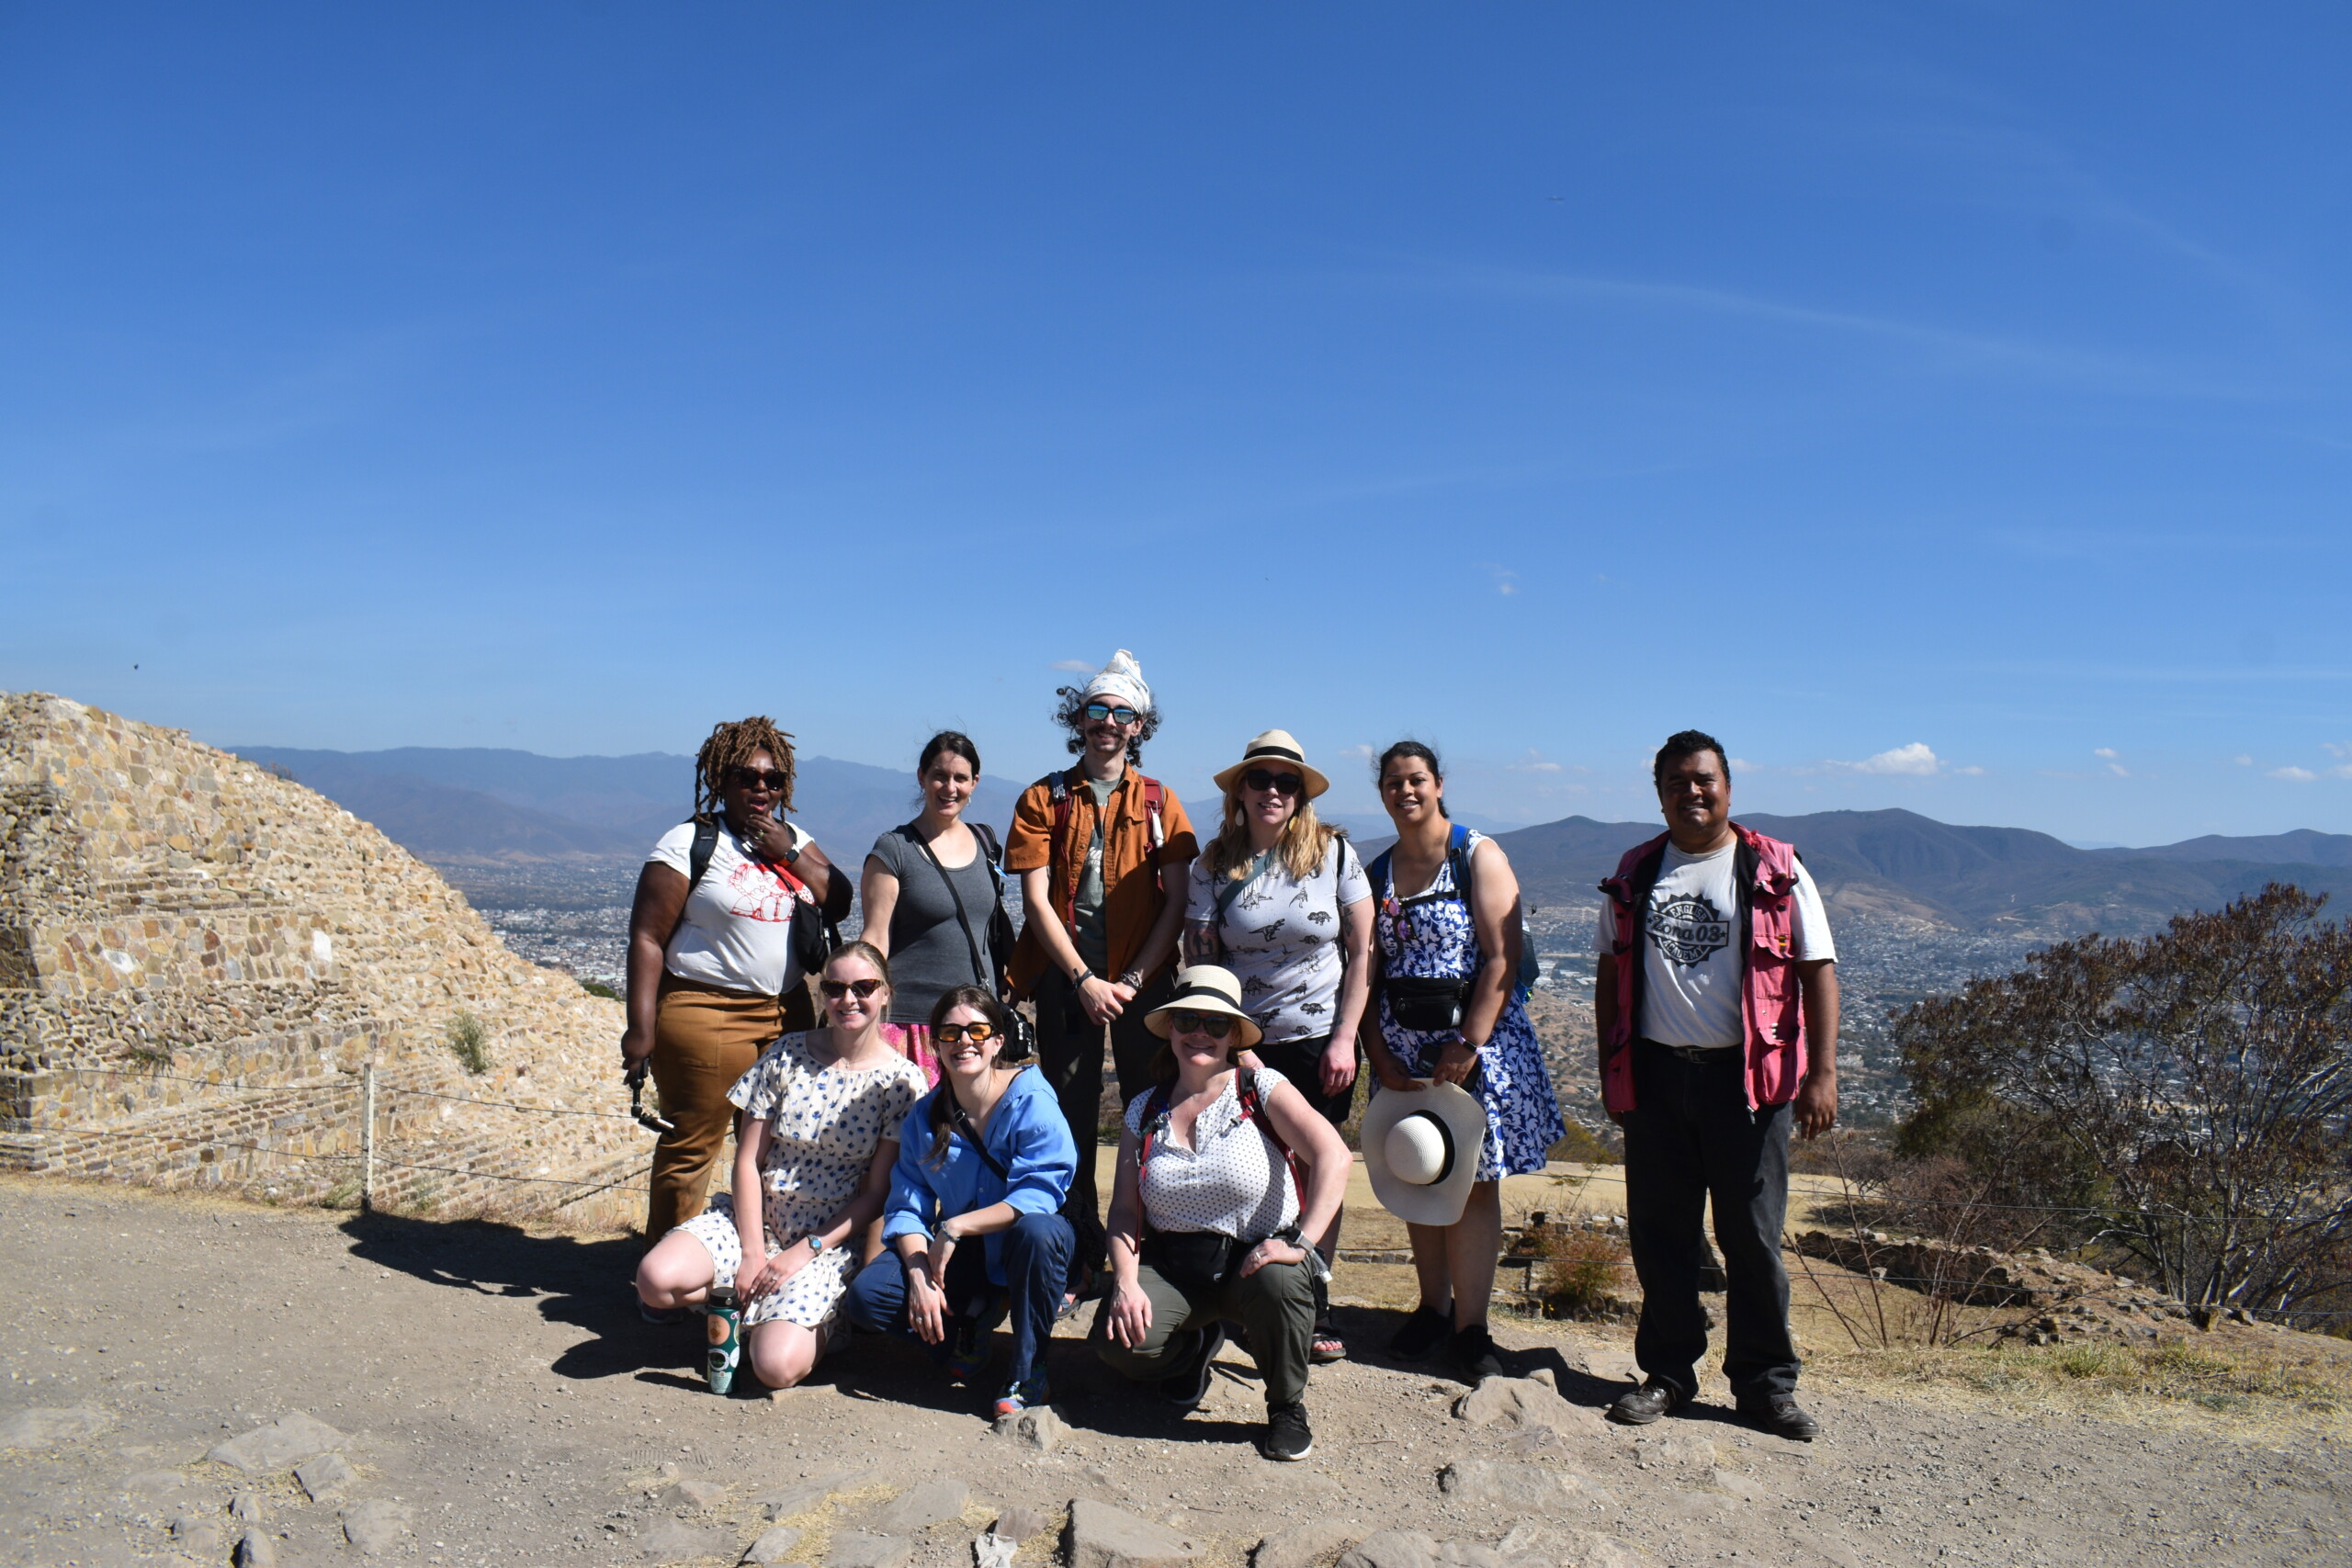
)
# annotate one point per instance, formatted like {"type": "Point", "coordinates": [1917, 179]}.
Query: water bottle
{"type": "Point", "coordinates": [724, 1325]}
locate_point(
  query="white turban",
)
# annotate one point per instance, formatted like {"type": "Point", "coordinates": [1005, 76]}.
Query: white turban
{"type": "Point", "coordinates": [1121, 679]}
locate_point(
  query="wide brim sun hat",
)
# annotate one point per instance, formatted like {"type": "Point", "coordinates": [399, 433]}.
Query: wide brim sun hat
{"type": "Point", "coordinates": [1421, 1150]}
{"type": "Point", "coordinates": [1207, 987]}
{"type": "Point", "coordinates": [1270, 751]}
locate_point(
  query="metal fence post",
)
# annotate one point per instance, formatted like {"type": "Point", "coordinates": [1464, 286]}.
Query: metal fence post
{"type": "Point", "coordinates": [367, 1138]}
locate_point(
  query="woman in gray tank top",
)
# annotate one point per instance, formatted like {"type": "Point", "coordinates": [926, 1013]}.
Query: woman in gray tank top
{"type": "Point", "coordinates": [916, 877]}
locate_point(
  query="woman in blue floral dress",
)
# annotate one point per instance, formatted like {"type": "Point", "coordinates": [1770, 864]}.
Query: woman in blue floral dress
{"type": "Point", "coordinates": [1443, 948]}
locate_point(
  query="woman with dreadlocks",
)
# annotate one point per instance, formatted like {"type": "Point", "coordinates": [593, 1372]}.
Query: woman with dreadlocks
{"type": "Point", "coordinates": [714, 973]}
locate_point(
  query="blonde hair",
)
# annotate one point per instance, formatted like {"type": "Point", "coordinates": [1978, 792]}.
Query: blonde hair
{"type": "Point", "coordinates": [1300, 850]}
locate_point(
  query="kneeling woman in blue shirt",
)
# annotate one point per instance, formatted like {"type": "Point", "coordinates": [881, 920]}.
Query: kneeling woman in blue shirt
{"type": "Point", "coordinates": [974, 1226]}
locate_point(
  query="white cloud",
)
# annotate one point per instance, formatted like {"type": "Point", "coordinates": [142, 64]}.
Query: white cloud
{"type": "Point", "coordinates": [2335, 750]}
{"type": "Point", "coordinates": [1533, 762]}
{"type": "Point", "coordinates": [2243, 760]}
{"type": "Point", "coordinates": [1075, 666]}
{"type": "Point", "coordinates": [2341, 771]}
{"type": "Point", "coordinates": [2108, 753]}
{"type": "Point", "coordinates": [2293, 775]}
{"type": "Point", "coordinates": [1506, 580]}
{"type": "Point", "coordinates": [1915, 761]}
{"type": "Point", "coordinates": [1742, 765]}
{"type": "Point", "coordinates": [1364, 754]}
{"type": "Point", "coordinates": [1970, 772]}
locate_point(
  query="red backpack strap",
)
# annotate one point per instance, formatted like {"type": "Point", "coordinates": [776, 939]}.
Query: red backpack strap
{"type": "Point", "coordinates": [1153, 801]}
{"type": "Point", "coordinates": [1148, 1125]}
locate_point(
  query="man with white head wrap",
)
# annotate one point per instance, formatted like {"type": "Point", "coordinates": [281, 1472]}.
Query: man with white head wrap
{"type": "Point", "coordinates": [1106, 850]}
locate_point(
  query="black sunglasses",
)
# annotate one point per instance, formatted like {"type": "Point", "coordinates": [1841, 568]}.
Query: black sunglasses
{"type": "Point", "coordinates": [1288, 784]}
{"type": "Point", "coordinates": [978, 1033]}
{"type": "Point", "coordinates": [751, 778]}
{"type": "Point", "coordinates": [1098, 712]}
{"type": "Point", "coordinates": [836, 989]}
{"type": "Point", "coordinates": [1216, 1025]}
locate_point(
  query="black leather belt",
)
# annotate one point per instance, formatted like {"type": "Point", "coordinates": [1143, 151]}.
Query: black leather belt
{"type": "Point", "coordinates": [1699, 1054]}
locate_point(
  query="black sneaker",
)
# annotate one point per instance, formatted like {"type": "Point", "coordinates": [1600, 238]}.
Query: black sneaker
{"type": "Point", "coordinates": [1783, 1417]}
{"type": "Point", "coordinates": [1640, 1406]}
{"type": "Point", "coordinates": [1287, 1437]}
{"type": "Point", "coordinates": [1473, 1353]}
{"type": "Point", "coordinates": [1186, 1389]}
{"type": "Point", "coordinates": [1421, 1333]}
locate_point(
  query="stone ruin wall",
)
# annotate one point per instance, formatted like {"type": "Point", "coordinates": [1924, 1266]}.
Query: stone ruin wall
{"type": "Point", "coordinates": [195, 956]}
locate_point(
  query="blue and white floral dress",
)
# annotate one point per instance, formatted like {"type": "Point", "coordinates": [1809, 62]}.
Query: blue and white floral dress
{"type": "Point", "coordinates": [1434, 939]}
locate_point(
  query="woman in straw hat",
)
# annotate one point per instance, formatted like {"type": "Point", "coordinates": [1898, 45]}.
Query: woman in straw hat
{"type": "Point", "coordinates": [1280, 899]}
{"type": "Point", "coordinates": [1452, 1011]}
{"type": "Point", "coordinates": [1207, 1216]}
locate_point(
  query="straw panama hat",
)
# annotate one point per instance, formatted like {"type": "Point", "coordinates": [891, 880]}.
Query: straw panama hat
{"type": "Point", "coordinates": [1269, 750]}
{"type": "Point", "coordinates": [1421, 1149]}
{"type": "Point", "coordinates": [1206, 988]}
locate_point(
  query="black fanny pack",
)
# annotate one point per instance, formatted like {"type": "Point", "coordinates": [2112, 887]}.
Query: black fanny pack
{"type": "Point", "coordinates": [1197, 1262]}
{"type": "Point", "coordinates": [1425, 1003]}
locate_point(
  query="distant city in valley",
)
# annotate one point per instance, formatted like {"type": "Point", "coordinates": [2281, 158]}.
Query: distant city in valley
{"type": "Point", "coordinates": [548, 850]}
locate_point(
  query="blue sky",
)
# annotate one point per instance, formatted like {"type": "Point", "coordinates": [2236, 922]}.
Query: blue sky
{"type": "Point", "coordinates": [1944, 404]}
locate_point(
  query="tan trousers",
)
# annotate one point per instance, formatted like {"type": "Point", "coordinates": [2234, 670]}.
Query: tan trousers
{"type": "Point", "coordinates": [704, 1039]}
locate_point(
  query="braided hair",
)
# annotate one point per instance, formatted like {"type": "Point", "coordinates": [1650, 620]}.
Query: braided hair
{"type": "Point", "coordinates": [733, 746]}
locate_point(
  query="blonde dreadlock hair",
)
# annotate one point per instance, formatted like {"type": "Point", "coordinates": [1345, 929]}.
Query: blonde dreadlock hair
{"type": "Point", "coordinates": [733, 746]}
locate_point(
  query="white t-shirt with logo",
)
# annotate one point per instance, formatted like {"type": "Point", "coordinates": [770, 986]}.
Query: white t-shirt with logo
{"type": "Point", "coordinates": [737, 929]}
{"type": "Point", "coordinates": [1689, 937]}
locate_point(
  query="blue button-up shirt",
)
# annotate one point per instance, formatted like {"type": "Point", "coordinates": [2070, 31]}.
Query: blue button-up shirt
{"type": "Point", "coordinates": [1028, 1137]}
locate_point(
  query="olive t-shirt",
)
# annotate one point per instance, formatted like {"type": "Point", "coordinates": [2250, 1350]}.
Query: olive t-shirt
{"type": "Point", "coordinates": [928, 950]}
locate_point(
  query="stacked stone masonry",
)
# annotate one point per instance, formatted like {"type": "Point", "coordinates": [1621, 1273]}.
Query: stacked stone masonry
{"type": "Point", "coordinates": [196, 955]}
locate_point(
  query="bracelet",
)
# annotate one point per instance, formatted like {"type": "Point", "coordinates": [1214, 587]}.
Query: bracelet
{"type": "Point", "coordinates": [1080, 975]}
{"type": "Point", "coordinates": [1132, 979]}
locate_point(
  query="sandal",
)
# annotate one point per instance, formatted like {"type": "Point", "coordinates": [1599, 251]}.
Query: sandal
{"type": "Point", "coordinates": [1327, 1345]}
{"type": "Point", "coordinates": [1079, 1291]}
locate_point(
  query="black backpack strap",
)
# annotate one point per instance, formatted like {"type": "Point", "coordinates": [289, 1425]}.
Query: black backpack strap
{"type": "Point", "coordinates": [962, 1121]}
{"type": "Point", "coordinates": [705, 845]}
{"type": "Point", "coordinates": [980, 975]}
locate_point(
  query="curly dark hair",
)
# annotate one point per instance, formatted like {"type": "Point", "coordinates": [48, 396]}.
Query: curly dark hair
{"type": "Point", "coordinates": [1071, 713]}
{"type": "Point", "coordinates": [733, 746]}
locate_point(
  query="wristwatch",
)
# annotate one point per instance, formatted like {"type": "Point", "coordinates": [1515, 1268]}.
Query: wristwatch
{"type": "Point", "coordinates": [815, 1243]}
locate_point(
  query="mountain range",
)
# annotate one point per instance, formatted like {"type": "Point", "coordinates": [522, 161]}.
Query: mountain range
{"type": "Point", "coordinates": [479, 806]}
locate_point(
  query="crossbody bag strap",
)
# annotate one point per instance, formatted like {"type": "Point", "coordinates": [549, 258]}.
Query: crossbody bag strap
{"type": "Point", "coordinates": [979, 965]}
{"type": "Point", "coordinates": [961, 1120]}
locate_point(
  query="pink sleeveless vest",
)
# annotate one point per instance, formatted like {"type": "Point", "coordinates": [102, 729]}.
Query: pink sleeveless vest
{"type": "Point", "coordinates": [1771, 1002]}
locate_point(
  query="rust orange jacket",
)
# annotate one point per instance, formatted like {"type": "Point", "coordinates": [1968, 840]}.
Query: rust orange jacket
{"type": "Point", "coordinates": [1131, 885]}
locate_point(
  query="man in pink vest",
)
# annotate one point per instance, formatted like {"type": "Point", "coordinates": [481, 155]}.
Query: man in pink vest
{"type": "Point", "coordinates": [1716, 1003]}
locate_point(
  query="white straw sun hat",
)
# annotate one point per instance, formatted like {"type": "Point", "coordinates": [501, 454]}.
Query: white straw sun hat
{"type": "Point", "coordinates": [1421, 1149]}
{"type": "Point", "coordinates": [1207, 987]}
{"type": "Point", "coordinates": [1274, 750]}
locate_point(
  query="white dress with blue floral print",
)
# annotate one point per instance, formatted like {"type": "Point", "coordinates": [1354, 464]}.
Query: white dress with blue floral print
{"type": "Point", "coordinates": [1436, 940]}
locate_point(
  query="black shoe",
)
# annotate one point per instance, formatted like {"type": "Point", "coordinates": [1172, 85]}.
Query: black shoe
{"type": "Point", "coordinates": [1422, 1333]}
{"type": "Point", "coordinates": [1473, 1354]}
{"type": "Point", "coordinates": [1646, 1404]}
{"type": "Point", "coordinates": [1287, 1437]}
{"type": "Point", "coordinates": [1186, 1389]}
{"type": "Point", "coordinates": [1783, 1417]}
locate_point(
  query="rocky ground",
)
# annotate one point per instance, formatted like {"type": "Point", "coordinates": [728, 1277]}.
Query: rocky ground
{"type": "Point", "coordinates": [197, 1378]}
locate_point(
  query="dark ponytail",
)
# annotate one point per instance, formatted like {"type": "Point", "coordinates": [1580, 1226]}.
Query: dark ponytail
{"type": "Point", "coordinates": [1412, 748]}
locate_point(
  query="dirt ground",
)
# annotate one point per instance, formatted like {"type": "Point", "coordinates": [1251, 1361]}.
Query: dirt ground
{"type": "Point", "coordinates": [501, 1403]}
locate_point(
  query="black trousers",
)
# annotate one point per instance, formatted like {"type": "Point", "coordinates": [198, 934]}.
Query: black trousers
{"type": "Point", "coordinates": [1069, 1051]}
{"type": "Point", "coordinates": [1692, 1136]}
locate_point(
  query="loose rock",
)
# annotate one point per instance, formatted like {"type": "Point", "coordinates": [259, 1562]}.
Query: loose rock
{"type": "Point", "coordinates": [802, 1496]}
{"type": "Point", "coordinates": [695, 1494]}
{"type": "Point", "coordinates": [198, 1536]}
{"type": "Point", "coordinates": [927, 1504]}
{"type": "Point", "coordinates": [1017, 1524]}
{"type": "Point", "coordinates": [247, 1509]}
{"type": "Point", "coordinates": [254, 1549]}
{"type": "Point", "coordinates": [287, 1441]}
{"type": "Point", "coordinates": [1653, 1452]}
{"type": "Point", "coordinates": [42, 1427]}
{"type": "Point", "coordinates": [155, 1482]}
{"type": "Point", "coordinates": [1744, 1487]}
{"type": "Point", "coordinates": [1038, 1428]}
{"type": "Point", "coordinates": [1550, 1544]}
{"type": "Point", "coordinates": [324, 1476]}
{"type": "Point", "coordinates": [773, 1545]}
{"type": "Point", "coordinates": [863, 1549]}
{"type": "Point", "coordinates": [375, 1525]}
{"type": "Point", "coordinates": [1305, 1546]}
{"type": "Point", "coordinates": [1519, 1485]}
{"type": "Point", "coordinates": [1519, 1402]}
{"type": "Point", "coordinates": [1391, 1548]}
{"type": "Point", "coordinates": [1104, 1537]}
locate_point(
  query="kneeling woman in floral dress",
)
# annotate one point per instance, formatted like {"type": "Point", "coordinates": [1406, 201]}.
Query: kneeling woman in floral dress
{"type": "Point", "coordinates": [815, 1144]}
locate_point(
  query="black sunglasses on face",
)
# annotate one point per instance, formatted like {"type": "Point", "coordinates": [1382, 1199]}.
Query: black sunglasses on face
{"type": "Point", "coordinates": [1097, 712]}
{"type": "Point", "coordinates": [836, 989]}
{"type": "Point", "coordinates": [752, 778]}
{"type": "Point", "coordinates": [1287, 784]}
{"type": "Point", "coordinates": [1216, 1025]}
{"type": "Point", "coordinates": [978, 1033]}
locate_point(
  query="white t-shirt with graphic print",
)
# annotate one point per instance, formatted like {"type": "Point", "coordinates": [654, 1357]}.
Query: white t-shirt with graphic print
{"type": "Point", "coordinates": [737, 929]}
{"type": "Point", "coordinates": [1282, 939]}
{"type": "Point", "coordinates": [1689, 937]}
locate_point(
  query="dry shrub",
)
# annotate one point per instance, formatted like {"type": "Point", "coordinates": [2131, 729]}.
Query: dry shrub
{"type": "Point", "coordinates": [1583, 1270]}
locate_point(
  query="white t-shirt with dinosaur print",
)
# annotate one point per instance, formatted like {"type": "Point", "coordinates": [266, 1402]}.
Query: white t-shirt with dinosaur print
{"type": "Point", "coordinates": [1282, 939]}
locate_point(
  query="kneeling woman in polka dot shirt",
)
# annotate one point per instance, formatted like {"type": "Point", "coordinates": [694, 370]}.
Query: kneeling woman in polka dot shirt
{"type": "Point", "coordinates": [1207, 1214]}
